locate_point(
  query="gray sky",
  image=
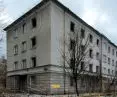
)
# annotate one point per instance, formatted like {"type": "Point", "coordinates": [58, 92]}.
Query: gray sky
{"type": "Point", "coordinates": [101, 14]}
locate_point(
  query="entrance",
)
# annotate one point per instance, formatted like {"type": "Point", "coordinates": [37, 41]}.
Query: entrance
{"type": "Point", "coordinates": [22, 83]}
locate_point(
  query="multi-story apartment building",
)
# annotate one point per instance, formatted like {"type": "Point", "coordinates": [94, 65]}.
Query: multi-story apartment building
{"type": "Point", "coordinates": [33, 41]}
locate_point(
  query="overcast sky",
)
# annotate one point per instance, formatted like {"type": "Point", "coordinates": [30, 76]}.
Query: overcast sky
{"type": "Point", "coordinates": [101, 14]}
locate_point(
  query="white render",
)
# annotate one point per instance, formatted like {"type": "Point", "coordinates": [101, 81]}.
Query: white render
{"type": "Point", "coordinates": [52, 23]}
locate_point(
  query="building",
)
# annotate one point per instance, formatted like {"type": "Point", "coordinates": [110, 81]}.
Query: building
{"type": "Point", "coordinates": [33, 59]}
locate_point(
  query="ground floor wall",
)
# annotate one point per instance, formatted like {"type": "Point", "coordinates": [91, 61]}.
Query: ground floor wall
{"type": "Point", "coordinates": [54, 81]}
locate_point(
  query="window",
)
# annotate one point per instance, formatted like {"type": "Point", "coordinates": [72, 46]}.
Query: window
{"type": "Point", "coordinates": [90, 67]}
{"type": "Point", "coordinates": [97, 69]}
{"type": "Point", "coordinates": [97, 42]}
{"type": "Point", "coordinates": [24, 47]}
{"type": "Point", "coordinates": [24, 25]}
{"type": "Point", "coordinates": [34, 63]}
{"type": "Point", "coordinates": [116, 53]}
{"type": "Point", "coordinates": [15, 49]}
{"type": "Point", "coordinates": [108, 71]}
{"type": "Point", "coordinates": [116, 63]}
{"type": "Point", "coordinates": [33, 40]}
{"type": "Point", "coordinates": [33, 79]}
{"type": "Point", "coordinates": [71, 62]}
{"type": "Point", "coordinates": [16, 65]}
{"type": "Point", "coordinates": [72, 44]}
{"type": "Point", "coordinates": [91, 53]}
{"type": "Point", "coordinates": [104, 58]}
{"type": "Point", "coordinates": [112, 62]}
{"type": "Point", "coordinates": [109, 49]}
{"type": "Point", "coordinates": [109, 61]}
{"type": "Point", "coordinates": [72, 26]}
{"type": "Point", "coordinates": [105, 45]}
{"type": "Point", "coordinates": [82, 66]}
{"type": "Point", "coordinates": [24, 65]}
{"type": "Point", "coordinates": [71, 81]}
{"type": "Point", "coordinates": [15, 33]}
{"type": "Point", "coordinates": [97, 56]}
{"type": "Point", "coordinates": [82, 33]}
{"type": "Point", "coordinates": [112, 71]}
{"type": "Point", "coordinates": [34, 22]}
{"type": "Point", "coordinates": [82, 49]}
{"type": "Point", "coordinates": [113, 51]}
{"type": "Point", "coordinates": [90, 38]}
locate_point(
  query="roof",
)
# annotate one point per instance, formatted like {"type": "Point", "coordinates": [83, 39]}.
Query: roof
{"type": "Point", "coordinates": [66, 10]}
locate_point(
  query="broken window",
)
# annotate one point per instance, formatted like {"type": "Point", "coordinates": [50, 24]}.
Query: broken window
{"type": "Point", "coordinates": [34, 22]}
{"type": "Point", "coordinates": [34, 63]}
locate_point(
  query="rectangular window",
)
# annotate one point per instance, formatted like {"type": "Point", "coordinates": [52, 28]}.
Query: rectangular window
{"type": "Point", "coordinates": [97, 42]}
{"type": "Point", "coordinates": [82, 33]}
{"type": "Point", "coordinates": [113, 52]}
{"type": "Point", "coordinates": [24, 27]}
{"type": "Point", "coordinates": [24, 46]}
{"type": "Point", "coordinates": [24, 64]}
{"type": "Point", "coordinates": [15, 49]}
{"type": "Point", "coordinates": [112, 62]}
{"type": "Point", "coordinates": [34, 62]}
{"type": "Point", "coordinates": [91, 53]}
{"type": "Point", "coordinates": [108, 71]}
{"type": "Point", "coordinates": [90, 67]}
{"type": "Point", "coordinates": [72, 26]}
{"type": "Point", "coordinates": [109, 61]}
{"type": "Point", "coordinates": [116, 53]}
{"type": "Point", "coordinates": [104, 58]}
{"type": "Point", "coordinates": [116, 63]}
{"type": "Point", "coordinates": [16, 65]}
{"type": "Point", "coordinates": [34, 22]}
{"type": "Point", "coordinates": [15, 33]}
{"type": "Point", "coordinates": [90, 38]}
{"type": "Point", "coordinates": [97, 69]}
{"type": "Point", "coordinates": [109, 49]}
{"type": "Point", "coordinates": [33, 79]}
{"type": "Point", "coordinates": [34, 42]}
{"type": "Point", "coordinates": [72, 44]}
{"type": "Point", "coordinates": [82, 66]}
{"type": "Point", "coordinates": [97, 56]}
{"type": "Point", "coordinates": [71, 81]}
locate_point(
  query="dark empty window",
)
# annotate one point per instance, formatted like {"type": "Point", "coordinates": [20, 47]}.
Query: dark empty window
{"type": "Point", "coordinates": [82, 66]}
{"type": "Point", "coordinates": [108, 71]}
{"type": "Point", "coordinates": [97, 42]}
{"type": "Point", "coordinates": [90, 67]}
{"type": "Point", "coordinates": [91, 53]}
{"type": "Point", "coordinates": [90, 38]}
{"type": "Point", "coordinates": [72, 26]}
{"type": "Point", "coordinates": [97, 69]}
{"type": "Point", "coordinates": [109, 49]}
{"type": "Point", "coordinates": [71, 81]}
{"type": "Point", "coordinates": [33, 41]}
{"type": "Point", "coordinates": [82, 33]}
{"type": "Point", "coordinates": [72, 44]}
{"type": "Point", "coordinates": [24, 27]}
{"type": "Point", "coordinates": [97, 56]}
{"type": "Point", "coordinates": [34, 62]}
{"type": "Point", "coordinates": [82, 49]}
{"type": "Point", "coordinates": [34, 22]}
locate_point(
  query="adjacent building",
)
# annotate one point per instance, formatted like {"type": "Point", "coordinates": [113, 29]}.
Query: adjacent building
{"type": "Point", "coordinates": [34, 61]}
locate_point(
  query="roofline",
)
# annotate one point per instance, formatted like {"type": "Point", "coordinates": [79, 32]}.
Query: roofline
{"type": "Point", "coordinates": [65, 9]}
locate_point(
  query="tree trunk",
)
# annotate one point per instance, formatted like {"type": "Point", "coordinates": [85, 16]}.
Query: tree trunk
{"type": "Point", "coordinates": [76, 87]}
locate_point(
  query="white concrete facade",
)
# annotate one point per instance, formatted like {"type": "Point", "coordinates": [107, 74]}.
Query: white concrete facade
{"type": "Point", "coordinates": [52, 23]}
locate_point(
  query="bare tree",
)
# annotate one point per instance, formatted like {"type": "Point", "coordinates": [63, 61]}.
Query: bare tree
{"type": "Point", "coordinates": [75, 55]}
{"type": "Point", "coordinates": [111, 85]}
